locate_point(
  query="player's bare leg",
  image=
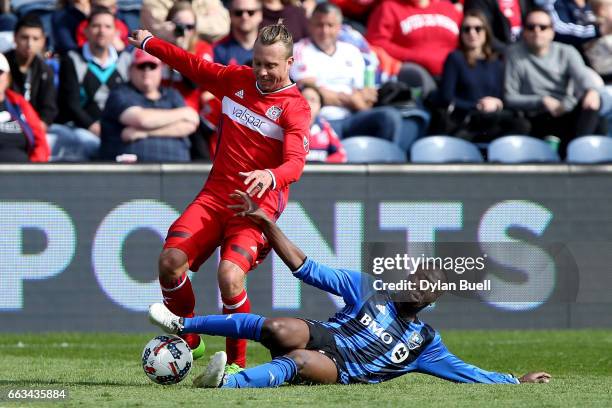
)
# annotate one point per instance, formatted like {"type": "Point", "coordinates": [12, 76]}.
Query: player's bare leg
{"type": "Point", "coordinates": [231, 280]}
{"type": "Point", "coordinates": [314, 367]}
{"type": "Point", "coordinates": [177, 291]}
{"type": "Point", "coordinates": [284, 334]}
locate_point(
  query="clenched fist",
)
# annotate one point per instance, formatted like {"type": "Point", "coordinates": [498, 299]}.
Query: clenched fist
{"type": "Point", "coordinates": [138, 36]}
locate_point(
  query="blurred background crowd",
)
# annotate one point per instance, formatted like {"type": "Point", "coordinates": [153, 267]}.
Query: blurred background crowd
{"type": "Point", "coordinates": [381, 77]}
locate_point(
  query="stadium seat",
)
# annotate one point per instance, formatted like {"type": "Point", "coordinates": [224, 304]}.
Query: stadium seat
{"type": "Point", "coordinates": [521, 149]}
{"type": "Point", "coordinates": [415, 76]}
{"type": "Point", "coordinates": [367, 149]}
{"type": "Point", "coordinates": [444, 149]}
{"type": "Point", "coordinates": [590, 149]}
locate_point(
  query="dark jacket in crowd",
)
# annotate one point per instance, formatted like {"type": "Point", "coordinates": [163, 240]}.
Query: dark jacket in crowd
{"type": "Point", "coordinates": [36, 86]}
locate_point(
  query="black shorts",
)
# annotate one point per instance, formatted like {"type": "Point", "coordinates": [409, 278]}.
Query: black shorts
{"type": "Point", "coordinates": [322, 340]}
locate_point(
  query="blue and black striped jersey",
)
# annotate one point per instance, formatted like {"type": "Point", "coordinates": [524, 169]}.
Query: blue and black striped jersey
{"type": "Point", "coordinates": [376, 344]}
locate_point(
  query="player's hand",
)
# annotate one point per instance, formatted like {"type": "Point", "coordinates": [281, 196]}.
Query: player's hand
{"type": "Point", "coordinates": [247, 207]}
{"type": "Point", "coordinates": [137, 37]}
{"type": "Point", "coordinates": [535, 377]}
{"type": "Point", "coordinates": [258, 182]}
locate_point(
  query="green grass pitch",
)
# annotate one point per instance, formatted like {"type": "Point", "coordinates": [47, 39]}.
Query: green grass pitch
{"type": "Point", "coordinates": [101, 370]}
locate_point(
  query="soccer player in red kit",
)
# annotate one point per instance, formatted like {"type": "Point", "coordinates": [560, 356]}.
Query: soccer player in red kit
{"type": "Point", "coordinates": [263, 142]}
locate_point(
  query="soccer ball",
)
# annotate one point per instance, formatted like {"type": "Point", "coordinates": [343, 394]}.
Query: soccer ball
{"type": "Point", "coordinates": [167, 359]}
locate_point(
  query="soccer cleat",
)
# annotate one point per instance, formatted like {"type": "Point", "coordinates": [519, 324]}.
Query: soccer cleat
{"type": "Point", "coordinates": [198, 352]}
{"type": "Point", "coordinates": [233, 369]}
{"type": "Point", "coordinates": [161, 316]}
{"type": "Point", "coordinates": [214, 373]}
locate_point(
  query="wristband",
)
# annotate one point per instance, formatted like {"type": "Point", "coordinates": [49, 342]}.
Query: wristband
{"type": "Point", "coordinates": [144, 42]}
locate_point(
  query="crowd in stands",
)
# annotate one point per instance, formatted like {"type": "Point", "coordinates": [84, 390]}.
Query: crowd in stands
{"type": "Point", "coordinates": [73, 90]}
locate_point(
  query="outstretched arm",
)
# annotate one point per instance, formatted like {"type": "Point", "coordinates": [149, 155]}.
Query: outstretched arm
{"type": "Point", "coordinates": [340, 282]}
{"type": "Point", "coordinates": [200, 71]}
{"type": "Point", "coordinates": [291, 255]}
{"type": "Point", "coordinates": [441, 363]}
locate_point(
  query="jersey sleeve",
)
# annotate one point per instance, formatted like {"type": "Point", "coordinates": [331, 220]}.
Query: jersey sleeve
{"type": "Point", "coordinates": [340, 282]}
{"type": "Point", "coordinates": [209, 75]}
{"type": "Point", "coordinates": [436, 360]}
{"type": "Point", "coordinates": [295, 147]}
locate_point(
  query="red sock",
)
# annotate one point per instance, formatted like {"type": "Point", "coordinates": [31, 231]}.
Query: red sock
{"type": "Point", "coordinates": [236, 349]}
{"type": "Point", "coordinates": [179, 298]}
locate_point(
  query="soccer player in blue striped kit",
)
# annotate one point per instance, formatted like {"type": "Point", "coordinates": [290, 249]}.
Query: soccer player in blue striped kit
{"type": "Point", "coordinates": [375, 337]}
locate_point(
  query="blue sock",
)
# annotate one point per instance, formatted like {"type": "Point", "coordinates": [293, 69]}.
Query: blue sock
{"type": "Point", "coordinates": [237, 326]}
{"type": "Point", "coordinates": [271, 374]}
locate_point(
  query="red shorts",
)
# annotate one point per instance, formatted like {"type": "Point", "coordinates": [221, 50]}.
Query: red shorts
{"type": "Point", "coordinates": [207, 223]}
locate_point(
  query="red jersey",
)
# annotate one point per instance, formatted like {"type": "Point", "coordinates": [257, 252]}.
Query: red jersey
{"type": "Point", "coordinates": [258, 130]}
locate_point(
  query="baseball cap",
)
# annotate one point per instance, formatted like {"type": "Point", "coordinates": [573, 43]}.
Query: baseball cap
{"type": "Point", "coordinates": [141, 57]}
{"type": "Point", "coordinates": [4, 65]}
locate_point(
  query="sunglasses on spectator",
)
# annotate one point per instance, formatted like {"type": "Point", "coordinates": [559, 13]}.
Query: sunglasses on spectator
{"type": "Point", "coordinates": [240, 13]}
{"type": "Point", "coordinates": [185, 26]}
{"type": "Point", "coordinates": [147, 66]}
{"type": "Point", "coordinates": [541, 27]}
{"type": "Point", "coordinates": [466, 29]}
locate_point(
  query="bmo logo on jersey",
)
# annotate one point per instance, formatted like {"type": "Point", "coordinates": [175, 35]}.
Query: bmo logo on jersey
{"type": "Point", "coordinates": [378, 331]}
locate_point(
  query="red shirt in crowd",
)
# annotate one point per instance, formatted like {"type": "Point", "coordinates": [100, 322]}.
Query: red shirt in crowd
{"type": "Point", "coordinates": [423, 35]}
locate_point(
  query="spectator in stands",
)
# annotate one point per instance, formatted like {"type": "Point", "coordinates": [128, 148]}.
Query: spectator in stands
{"type": "Point", "coordinates": [599, 51]}
{"type": "Point", "coordinates": [43, 9]}
{"type": "Point", "coordinates": [325, 145]}
{"type": "Point", "coordinates": [121, 30]}
{"type": "Point", "coordinates": [22, 136]}
{"type": "Point", "coordinates": [69, 24]}
{"type": "Point", "coordinates": [356, 12]}
{"type": "Point", "coordinates": [293, 15]}
{"type": "Point", "coordinates": [35, 81]}
{"type": "Point", "coordinates": [7, 25]}
{"type": "Point", "coordinates": [309, 6]}
{"type": "Point", "coordinates": [337, 69]}
{"type": "Point", "coordinates": [65, 22]}
{"type": "Point", "coordinates": [423, 32]}
{"type": "Point", "coordinates": [145, 120]}
{"type": "Point", "coordinates": [599, 55]}
{"type": "Point", "coordinates": [472, 87]}
{"type": "Point", "coordinates": [505, 16]}
{"type": "Point", "coordinates": [31, 76]}
{"type": "Point", "coordinates": [86, 78]}
{"type": "Point", "coordinates": [539, 79]}
{"type": "Point", "coordinates": [185, 36]}
{"type": "Point", "coordinates": [237, 46]}
{"type": "Point", "coordinates": [573, 21]}
{"type": "Point", "coordinates": [213, 18]}
{"type": "Point", "coordinates": [128, 11]}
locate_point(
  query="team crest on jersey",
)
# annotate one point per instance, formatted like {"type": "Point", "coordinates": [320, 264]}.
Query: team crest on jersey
{"type": "Point", "coordinates": [306, 144]}
{"type": "Point", "coordinates": [414, 341]}
{"type": "Point", "coordinates": [274, 112]}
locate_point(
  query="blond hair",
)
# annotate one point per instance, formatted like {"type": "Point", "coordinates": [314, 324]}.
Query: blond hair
{"type": "Point", "coordinates": [276, 33]}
